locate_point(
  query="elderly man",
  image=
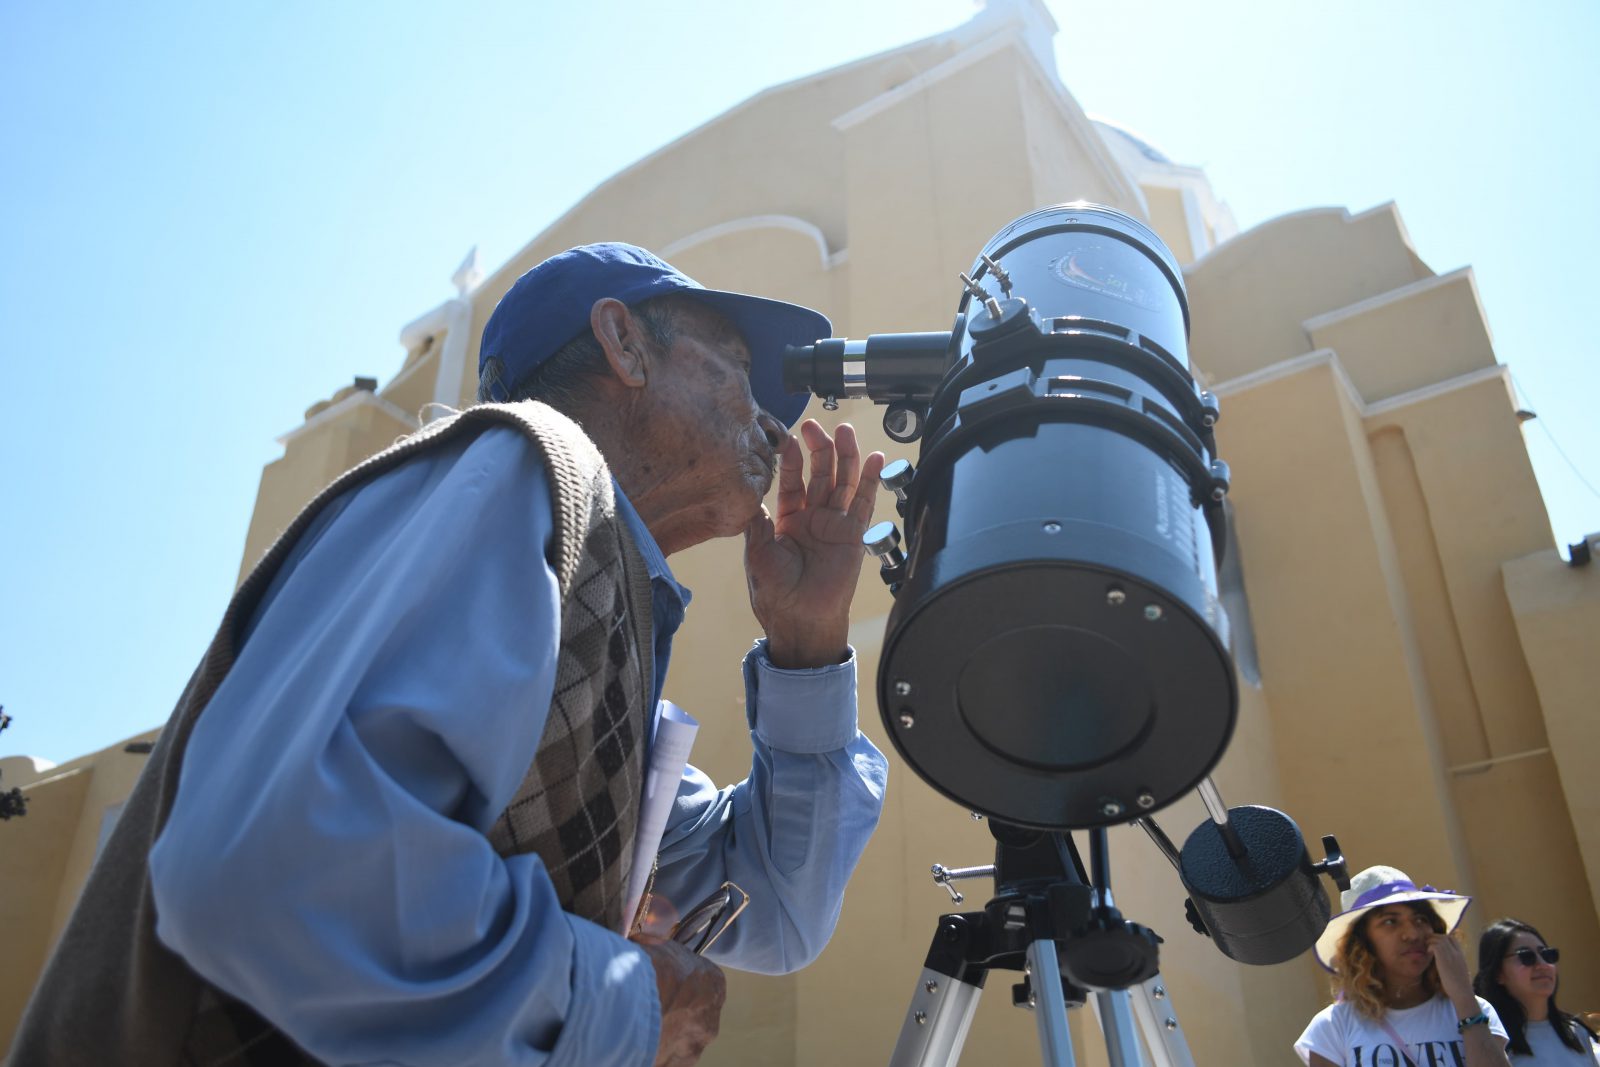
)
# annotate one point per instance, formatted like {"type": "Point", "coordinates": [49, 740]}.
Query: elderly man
{"type": "Point", "coordinates": [392, 817]}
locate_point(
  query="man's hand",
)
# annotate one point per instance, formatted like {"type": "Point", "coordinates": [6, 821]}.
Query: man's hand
{"type": "Point", "coordinates": [692, 990]}
{"type": "Point", "coordinates": [802, 566]}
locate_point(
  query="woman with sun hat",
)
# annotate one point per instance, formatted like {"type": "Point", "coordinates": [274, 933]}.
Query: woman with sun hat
{"type": "Point", "coordinates": [1517, 974]}
{"type": "Point", "coordinates": [1403, 996]}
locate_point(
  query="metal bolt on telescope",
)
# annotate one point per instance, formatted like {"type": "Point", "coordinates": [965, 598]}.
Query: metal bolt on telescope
{"type": "Point", "coordinates": [1057, 656]}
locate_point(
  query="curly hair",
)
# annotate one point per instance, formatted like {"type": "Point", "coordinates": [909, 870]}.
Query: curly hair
{"type": "Point", "coordinates": [1358, 976]}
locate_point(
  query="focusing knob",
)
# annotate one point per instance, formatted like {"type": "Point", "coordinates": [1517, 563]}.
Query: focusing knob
{"type": "Point", "coordinates": [895, 476]}
{"type": "Point", "coordinates": [883, 541]}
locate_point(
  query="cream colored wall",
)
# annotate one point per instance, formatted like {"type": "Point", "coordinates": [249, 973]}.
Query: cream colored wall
{"type": "Point", "coordinates": [1450, 496]}
{"type": "Point", "coordinates": [1170, 221]}
{"type": "Point", "coordinates": [1249, 297]}
{"type": "Point", "coordinates": [113, 773]}
{"type": "Point", "coordinates": [778, 144]}
{"type": "Point", "coordinates": [33, 861]}
{"type": "Point", "coordinates": [1448, 493]}
{"type": "Point", "coordinates": [1318, 561]}
{"type": "Point", "coordinates": [334, 439]}
{"type": "Point", "coordinates": [1557, 613]}
{"type": "Point", "coordinates": [1474, 504]}
{"type": "Point", "coordinates": [1408, 338]}
{"type": "Point", "coordinates": [45, 857]}
{"type": "Point", "coordinates": [412, 389]}
{"type": "Point", "coordinates": [765, 259]}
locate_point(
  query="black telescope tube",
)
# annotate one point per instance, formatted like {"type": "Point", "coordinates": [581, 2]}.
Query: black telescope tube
{"type": "Point", "coordinates": [1057, 653]}
{"type": "Point", "coordinates": [884, 367]}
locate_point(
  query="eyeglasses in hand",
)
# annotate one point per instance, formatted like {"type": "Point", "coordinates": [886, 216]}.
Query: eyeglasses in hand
{"type": "Point", "coordinates": [706, 921]}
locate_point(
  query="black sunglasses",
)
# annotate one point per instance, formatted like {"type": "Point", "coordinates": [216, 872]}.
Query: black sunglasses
{"type": "Point", "coordinates": [1530, 956]}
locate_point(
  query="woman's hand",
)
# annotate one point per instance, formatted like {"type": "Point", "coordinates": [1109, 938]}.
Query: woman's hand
{"type": "Point", "coordinates": [1454, 976]}
{"type": "Point", "coordinates": [1483, 1047]}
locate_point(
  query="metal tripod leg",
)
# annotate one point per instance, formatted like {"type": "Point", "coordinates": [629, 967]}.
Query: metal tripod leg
{"type": "Point", "coordinates": [1149, 1004]}
{"type": "Point", "coordinates": [1049, 1004]}
{"type": "Point", "coordinates": [937, 1023]}
{"type": "Point", "coordinates": [1116, 1021]}
{"type": "Point", "coordinates": [943, 1007]}
{"type": "Point", "coordinates": [1044, 905]}
{"type": "Point", "coordinates": [1159, 1021]}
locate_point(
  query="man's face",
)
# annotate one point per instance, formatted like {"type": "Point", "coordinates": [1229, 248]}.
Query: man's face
{"type": "Point", "coordinates": [710, 443]}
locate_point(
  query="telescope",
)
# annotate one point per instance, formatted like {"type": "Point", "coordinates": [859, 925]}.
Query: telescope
{"type": "Point", "coordinates": [1057, 656]}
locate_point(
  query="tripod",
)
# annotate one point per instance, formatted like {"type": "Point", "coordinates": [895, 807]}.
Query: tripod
{"type": "Point", "coordinates": [1062, 931]}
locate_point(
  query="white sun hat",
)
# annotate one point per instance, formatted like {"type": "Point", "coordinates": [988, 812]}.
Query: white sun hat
{"type": "Point", "coordinates": [1379, 886]}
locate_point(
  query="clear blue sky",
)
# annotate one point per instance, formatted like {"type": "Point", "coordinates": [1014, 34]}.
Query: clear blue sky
{"type": "Point", "coordinates": [213, 215]}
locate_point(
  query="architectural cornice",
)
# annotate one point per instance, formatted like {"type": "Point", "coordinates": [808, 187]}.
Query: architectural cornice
{"type": "Point", "coordinates": [1394, 296]}
{"type": "Point", "coordinates": [357, 399]}
{"type": "Point", "coordinates": [1328, 357]}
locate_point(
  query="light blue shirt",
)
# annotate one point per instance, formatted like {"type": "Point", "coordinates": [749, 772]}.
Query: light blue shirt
{"type": "Point", "coordinates": [325, 859]}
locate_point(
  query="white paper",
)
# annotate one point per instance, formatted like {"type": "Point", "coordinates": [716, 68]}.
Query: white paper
{"type": "Point", "coordinates": [669, 755]}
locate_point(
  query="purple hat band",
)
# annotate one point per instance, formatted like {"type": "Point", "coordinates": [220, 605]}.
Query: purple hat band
{"type": "Point", "coordinates": [1390, 889]}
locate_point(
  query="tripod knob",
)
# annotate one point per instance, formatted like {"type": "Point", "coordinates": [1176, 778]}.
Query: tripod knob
{"type": "Point", "coordinates": [1334, 866]}
{"type": "Point", "coordinates": [943, 875]}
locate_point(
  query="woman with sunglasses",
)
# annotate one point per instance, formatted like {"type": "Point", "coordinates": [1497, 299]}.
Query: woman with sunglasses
{"type": "Point", "coordinates": [1517, 974]}
{"type": "Point", "coordinates": [1403, 997]}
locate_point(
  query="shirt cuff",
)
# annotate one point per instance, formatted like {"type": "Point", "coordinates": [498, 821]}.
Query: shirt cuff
{"type": "Point", "coordinates": [615, 1011]}
{"type": "Point", "coordinates": [810, 710]}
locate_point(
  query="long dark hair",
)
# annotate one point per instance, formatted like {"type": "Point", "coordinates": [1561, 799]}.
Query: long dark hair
{"type": "Point", "coordinates": [1493, 947]}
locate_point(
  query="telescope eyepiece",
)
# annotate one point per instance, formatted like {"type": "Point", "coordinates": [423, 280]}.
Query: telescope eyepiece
{"type": "Point", "coordinates": [887, 368]}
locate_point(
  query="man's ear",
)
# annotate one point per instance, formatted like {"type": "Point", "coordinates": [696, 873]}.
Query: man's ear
{"type": "Point", "coordinates": [623, 340]}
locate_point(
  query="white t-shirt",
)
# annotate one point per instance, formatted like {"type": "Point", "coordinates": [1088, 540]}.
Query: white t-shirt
{"type": "Point", "coordinates": [1548, 1049]}
{"type": "Point", "coordinates": [1342, 1035]}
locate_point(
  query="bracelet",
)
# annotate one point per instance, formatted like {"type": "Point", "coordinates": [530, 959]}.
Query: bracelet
{"type": "Point", "coordinates": [1471, 1020]}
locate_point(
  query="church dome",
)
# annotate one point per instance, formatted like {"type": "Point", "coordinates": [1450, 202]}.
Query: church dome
{"type": "Point", "coordinates": [1111, 132]}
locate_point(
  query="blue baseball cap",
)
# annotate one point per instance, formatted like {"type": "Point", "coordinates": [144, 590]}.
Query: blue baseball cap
{"type": "Point", "coordinates": [549, 306]}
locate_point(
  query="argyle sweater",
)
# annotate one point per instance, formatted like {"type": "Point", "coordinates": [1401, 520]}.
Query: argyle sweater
{"type": "Point", "coordinates": [113, 994]}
